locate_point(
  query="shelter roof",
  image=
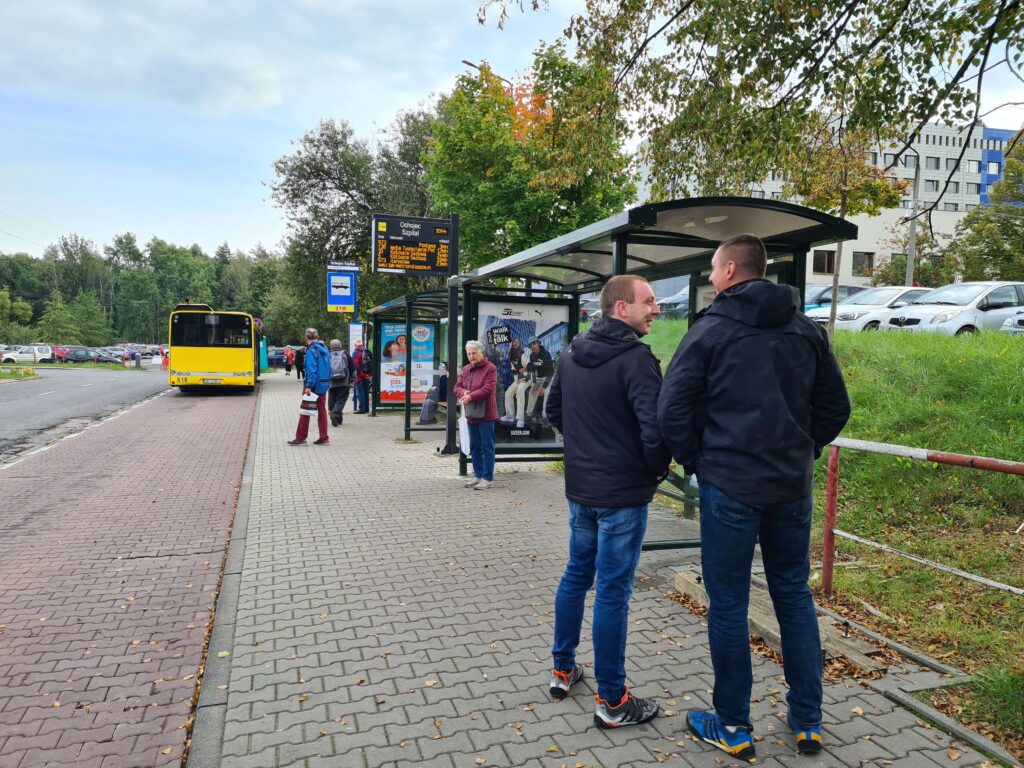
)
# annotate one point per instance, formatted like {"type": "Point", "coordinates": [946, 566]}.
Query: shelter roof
{"type": "Point", "coordinates": [665, 239]}
{"type": "Point", "coordinates": [424, 304]}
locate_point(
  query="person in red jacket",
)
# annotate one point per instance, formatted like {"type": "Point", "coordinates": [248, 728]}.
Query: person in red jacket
{"type": "Point", "coordinates": [475, 392]}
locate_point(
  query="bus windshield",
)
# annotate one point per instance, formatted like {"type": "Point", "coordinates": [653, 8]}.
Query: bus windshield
{"type": "Point", "coordinates": [196, 329]}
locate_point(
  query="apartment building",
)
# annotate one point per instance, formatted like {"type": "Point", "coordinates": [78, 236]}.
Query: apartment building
{"type": "Point", "coordinates": [964, 183]}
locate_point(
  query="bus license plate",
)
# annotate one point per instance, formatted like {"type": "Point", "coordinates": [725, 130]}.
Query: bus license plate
{"type": "Point", "coordinates": [211, 381]}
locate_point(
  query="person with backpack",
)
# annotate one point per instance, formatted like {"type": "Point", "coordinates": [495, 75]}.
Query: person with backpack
{"type": "Point", "coordinates": [342, 369]}
{"type": "Point", "coordinates": [317, 381]}
{"type": "Point", "coordinates": [363, 362]}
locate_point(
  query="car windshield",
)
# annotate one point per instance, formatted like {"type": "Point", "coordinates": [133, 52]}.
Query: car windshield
{"type": "Point", "coordinates": [959, 294]}
{"type": "Point", "coordinates": [873, 296]}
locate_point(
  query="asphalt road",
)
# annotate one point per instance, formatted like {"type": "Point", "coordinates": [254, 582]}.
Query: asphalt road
{"type": "Point", "coordinates": [65, 400]}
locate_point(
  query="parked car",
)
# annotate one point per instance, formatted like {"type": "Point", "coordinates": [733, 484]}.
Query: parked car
{"type": "Point", "coordinates": [867, 310]}
{"type": "Point", "coordinates": [275, 357]}
{"type": "Point", "coordinates": [33, 353]}
{"type": "Point", "coordinates": [960, 308]}
{"type": "Point", "coordinates": [675, 306]}
{"type": "Point", "coordinates": [1014, 324]}
{"type": "Point", "coordinates": [79, 355]}
{"type": "Point", "coordinates": [590, 310]}
{"type": "Point", "coordinates": [821, 295]}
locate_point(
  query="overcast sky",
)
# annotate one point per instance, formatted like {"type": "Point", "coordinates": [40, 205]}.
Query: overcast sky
{"type": "Point", "coordinates": [164, 118]}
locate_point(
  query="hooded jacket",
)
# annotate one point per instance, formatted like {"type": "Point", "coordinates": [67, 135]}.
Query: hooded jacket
{"type": "Point", "coordinates": [752, 395]}
{"type": "Point", "coordinates": [604, 402]}
{"type": "Point", "coordinates": [318, 368]}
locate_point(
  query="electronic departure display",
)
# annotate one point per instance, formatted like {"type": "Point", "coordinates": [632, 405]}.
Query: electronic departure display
{"type": "Point", "coordinates": [408, 245]}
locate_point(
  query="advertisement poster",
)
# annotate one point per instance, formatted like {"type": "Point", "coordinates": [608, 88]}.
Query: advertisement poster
{"type": "Point", "coordinates": [524, 340]}
{"type": "Point", "coordinates": [393, 346]}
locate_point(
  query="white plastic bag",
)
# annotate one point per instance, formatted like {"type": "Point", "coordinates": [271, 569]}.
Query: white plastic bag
{"type": "Point", "coordinates": [464, 436]}
{"type": "Point", "coordinates": [308, 405]}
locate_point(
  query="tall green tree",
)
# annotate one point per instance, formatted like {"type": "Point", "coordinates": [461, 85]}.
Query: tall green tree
{"type": "Point", "coordinates": [91, 322]}
{"type": "Point", "coordinates": [719, 87]}
{"type": "Point", "coordinates": [510, 159]}
{"type": "Point", "coordinates": [57, 325]}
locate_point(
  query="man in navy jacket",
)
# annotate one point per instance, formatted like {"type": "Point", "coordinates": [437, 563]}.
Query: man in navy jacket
{"type": "Point", "coordinates": [603, 400]}
{"type": "Point", "coordinates": [751, 397]}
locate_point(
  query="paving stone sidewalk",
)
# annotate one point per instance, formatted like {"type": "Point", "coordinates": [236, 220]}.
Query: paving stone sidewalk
{"type": "Point", "coordinates": [113, 542]}
{"type": "Point", "coordinates": [388, 617]}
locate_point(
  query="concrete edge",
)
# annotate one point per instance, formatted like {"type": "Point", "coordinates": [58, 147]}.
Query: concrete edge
{"type": "Point", "coordinates": [211, 709]}
{"type": "Point", "coordinates": [947, 724]}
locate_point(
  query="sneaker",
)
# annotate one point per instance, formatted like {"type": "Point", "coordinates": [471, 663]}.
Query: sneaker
{"type": "Point", "coordinates": [561, 681]}
{"type": "Point", "coordinates": [321, 441]}
{"type": "Point", "coordinates": [520, 424]}
{"type": "Point", "coordinates": [630, 710]}
{"type": "Point", "coordinates": [483, 485]}
{"type": "Point", "coordinates": [808, 740]}
{"type": "Point", "coordinates": [471, 482]}
{"type": "Point", "coordinates": [707, 726]}
{"type": "Point", "coordinates": [296, 442]}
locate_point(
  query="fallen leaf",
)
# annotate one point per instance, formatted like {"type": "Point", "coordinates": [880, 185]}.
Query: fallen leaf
{"type": "Point", "coordinates": [221, 687]}
{"type": "Point", "coordinates": [188, 677]}
{"type": "Point", "coordinates": [166, 751]}
{"type": "Point", "coordinates": [56, 704]}
{"type": "Point", "coordinates": [554, 749]}
{"type": "Point", "coordinates": [303, 697]}
{"type": "Point", "coordinates": [360, 681]}
{"type": "Point", "coordinates": [430, 683]}
{"type": "Point", "coordinates": [528, 708]}
{"type": "Point", "coordinates": [953, 754]}
{"type": "Point", "coordinates": [857, 711]}
{"type": "Point", "coordinates": [223, 654]}
{"type": "Point", "coordinates": [480, 761]}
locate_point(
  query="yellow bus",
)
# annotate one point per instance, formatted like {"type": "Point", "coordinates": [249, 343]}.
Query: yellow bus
{"type": "Point", "coordinates": [208, 348]}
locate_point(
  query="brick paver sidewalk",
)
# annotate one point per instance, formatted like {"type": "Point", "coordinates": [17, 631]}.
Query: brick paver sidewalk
{"type": "Point", "coordinates": [113, 543]}
{"type": "Point", "coordinates": [388, 617]}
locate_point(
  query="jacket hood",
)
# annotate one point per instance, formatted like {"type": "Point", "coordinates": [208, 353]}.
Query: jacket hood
{"type": "Point", "coordinates": [604, 340]}
{"type": "Point", "coordinates": [757, 303]}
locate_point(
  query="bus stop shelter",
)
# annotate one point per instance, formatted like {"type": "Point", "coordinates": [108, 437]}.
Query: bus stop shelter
{"type": "Point", "coordinates": [654, 241]}
{"type": "Point", "coordinates": [412, 312]}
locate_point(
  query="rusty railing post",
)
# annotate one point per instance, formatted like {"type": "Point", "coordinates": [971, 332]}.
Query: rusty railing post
{"type": "Point", "coordinates": [828, 555]}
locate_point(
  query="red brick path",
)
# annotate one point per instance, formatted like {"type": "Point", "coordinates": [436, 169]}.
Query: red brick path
{"type": "Point", "coordinates": [112, 543]}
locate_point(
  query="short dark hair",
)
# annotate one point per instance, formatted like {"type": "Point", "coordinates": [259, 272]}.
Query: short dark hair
{"type": "Point", "coordinates": [749, 254]}
{"type": "Point", "coordinates": [619, 288]}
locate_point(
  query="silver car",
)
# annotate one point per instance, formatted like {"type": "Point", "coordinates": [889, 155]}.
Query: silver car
{"type": "Point", "coordinates": [1014, 324]}
{"type": "Point", "coordinates": [960, 308]}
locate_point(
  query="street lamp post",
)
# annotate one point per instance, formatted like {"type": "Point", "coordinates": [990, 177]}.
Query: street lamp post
{"type": "Point", "coordinates": [478, 68]}
{"type": "Point", "coordinates": [912, 236]}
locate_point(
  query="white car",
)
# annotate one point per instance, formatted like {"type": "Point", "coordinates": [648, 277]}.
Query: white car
{"type": "Point", "coordinates": [960, 308]}
{"type": "Point", "coordinates": [1015, 324]}
{"type": "Point", "coordinates": [868, 310]}
{"type": "Point", "coordinates": [34, 353]}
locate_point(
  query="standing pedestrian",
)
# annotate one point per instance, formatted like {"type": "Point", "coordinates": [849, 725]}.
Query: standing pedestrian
{"type": "Point", "coordinates": [300, 363]}
{"type": "Point", "coordinates": [475, 391]}
{"type": "Point", "coordinates": [751, 397]}
{"type": "Point", "coordinates": [603, 400]}
{"type": "Point", "coordinates": [317, 381]}
{"type": "Point", "coordinates": [363, 362]}
{"type": "Point", "coordinates": [289, 360]}
{"type": "Point", "coordinates": [341, 376]}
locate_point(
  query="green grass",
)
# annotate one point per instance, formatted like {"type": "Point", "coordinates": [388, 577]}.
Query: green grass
{"type": "Point", "coordinates": [999, 695]}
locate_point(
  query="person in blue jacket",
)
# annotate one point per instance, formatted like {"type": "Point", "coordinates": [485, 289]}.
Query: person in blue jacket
{"type": "Point", "coordinates": [317, 381]}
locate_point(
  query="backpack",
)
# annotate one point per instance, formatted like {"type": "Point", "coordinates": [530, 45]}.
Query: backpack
{"type": "Point", "coordinates": [366, 363]}
{"type": "Point", "coordinates": [340, 367]}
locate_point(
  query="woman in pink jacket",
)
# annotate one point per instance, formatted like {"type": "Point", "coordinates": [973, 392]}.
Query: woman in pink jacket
{"type": "Point", "coordinates": [475, 391]}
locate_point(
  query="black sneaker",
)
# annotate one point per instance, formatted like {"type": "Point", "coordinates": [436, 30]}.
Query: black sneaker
{"type": "Point", "coordinates": [296, 442]}
{"type": "Point", "coordinates": [629, 711]}
{"type": "Point", "coordinates": [561, 681]}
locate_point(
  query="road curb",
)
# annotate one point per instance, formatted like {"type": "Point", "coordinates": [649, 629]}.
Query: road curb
{"type": "Point", "coordinates": [211, 709]}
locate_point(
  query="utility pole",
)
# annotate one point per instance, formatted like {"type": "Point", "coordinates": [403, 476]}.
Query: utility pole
{"type": "Point", "coordinates": [912, 237]}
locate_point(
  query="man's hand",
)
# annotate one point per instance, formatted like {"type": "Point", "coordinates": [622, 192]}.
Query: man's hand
{"type": "Point", "coordinates": [306, 390]}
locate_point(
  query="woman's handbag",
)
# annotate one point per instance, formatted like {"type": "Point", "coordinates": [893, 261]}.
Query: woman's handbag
{"type": "Point", "coordinates": [308, 405]}
{"type": "Point", "coordinates": [475, 409]}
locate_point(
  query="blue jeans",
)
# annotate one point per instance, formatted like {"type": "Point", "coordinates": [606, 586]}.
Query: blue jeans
{"type": "Point", "coordinates": [606, 542]}
{"type": "Point", "coordinates": [729, 529]}
{"type": "Point", "coordinates": [360, 396]}
{"type": "Point", "coordinates": [481, 449]}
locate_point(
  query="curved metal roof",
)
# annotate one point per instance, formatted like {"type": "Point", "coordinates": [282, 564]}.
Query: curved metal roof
{"type": "Point", "coordinates": [665, 239]}
{"type": "Point", "coordinates": [431, 304]}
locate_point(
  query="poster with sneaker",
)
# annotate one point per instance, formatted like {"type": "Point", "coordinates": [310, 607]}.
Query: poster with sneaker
{"type": "Point", "coordinates": [524, 339]}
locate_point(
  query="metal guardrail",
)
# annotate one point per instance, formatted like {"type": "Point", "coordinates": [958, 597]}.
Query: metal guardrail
{"type": "Point", "coordinates": [918, 454]}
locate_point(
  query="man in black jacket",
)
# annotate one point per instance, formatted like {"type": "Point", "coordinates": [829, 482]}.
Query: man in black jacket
{"type": "Point", "coordinates": [751, 397]}
{"type": "Point", "coordinates": [603, 400]}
